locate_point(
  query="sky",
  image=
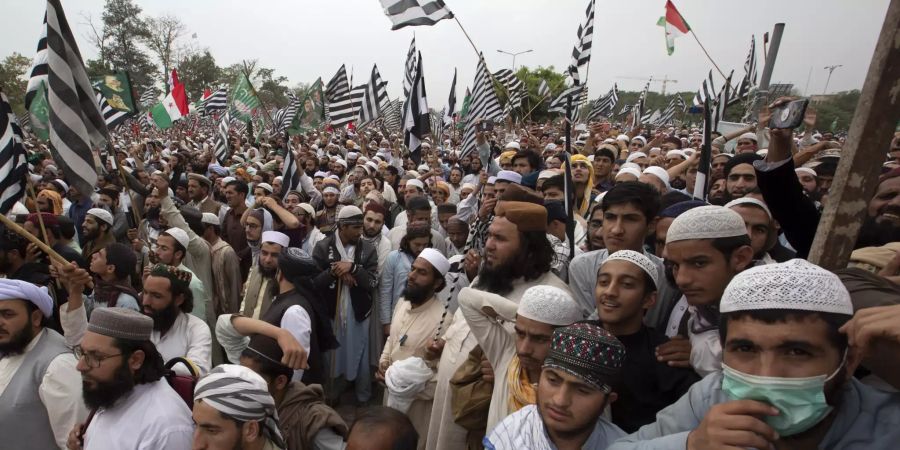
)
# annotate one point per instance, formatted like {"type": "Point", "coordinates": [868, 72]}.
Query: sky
{"type": "Point", "coordinates": [306, 39]}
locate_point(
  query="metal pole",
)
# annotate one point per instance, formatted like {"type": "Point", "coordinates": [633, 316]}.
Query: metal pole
{"type": "Point", "coordinates": [771, 55]}
{"type": "Point", "coordinates": [830, 69]}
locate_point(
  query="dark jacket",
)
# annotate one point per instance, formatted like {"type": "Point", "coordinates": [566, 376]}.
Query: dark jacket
{"type": "Point", "coordinates": [365, 266]}
{"type": "Point", "coordinates": [795, 212]}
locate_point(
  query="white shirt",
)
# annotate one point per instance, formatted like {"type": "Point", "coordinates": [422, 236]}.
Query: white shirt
{"type": "Point", "coordinates": [151, 417]}
{"type": "Point", "coordinates": [60, 390]}
{"type": "Point", "coordinates": [295, 320]}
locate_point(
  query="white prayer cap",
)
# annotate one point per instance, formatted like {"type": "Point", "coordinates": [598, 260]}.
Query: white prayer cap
{"type": "Point", "coordinates": [609, 141]}
{"type": "Point", "coordinates": [550, 147]}
{"type": "Point", "coordinates": [491, 180]}
{"type": "Point", "coordinates": [331, 190]}
{"type": "Point", "coordinates": [352, 155]}
{"type": "Point", "coordinates": [690, 151]}
{"type": "Point", "coordinates": [644, 263]}
{"type": "Point", "coordinates": [436, 259]}
{"type": "Point", "coordinates": [796, 284]}
{"type": "Point", "coordinates": [748, 135]}
{"type": "Point", "coordinates": [180, 236]}
{"type": "Point", "coordinates": [211, 219]}
{"type": "Point", "coordinates": [628, 170]}
{"type": "Point", "coordinates": [509, 175]}
{"type": "Point", "coordinates": [422, 168]}
{"type": "Point", "coordinates": [547, 174]}
{"type": "Point", "coordinates": [623, 137]}
{"type": "Point", "coordinates": [750, 201]}
{"type": "Point", "coordinates": [762, 152]}
{"type": "Point", "coordinates": [706, 222]}
{"type": "Point", "coordinates": [640, 138]}
{"type": "Point", "coordinates": [513, 144]}
{"type": "Point", "coordinates": [673, 153]}
{"type": "Point", "coordinates": [279, 178]}
{"type": "Point", "coordinates": [468, 186]}
{"type": "Point", "coordinates": [276, 237]}
{"type": "Point", "coordinates": [308, 209]}
{"type": "Point", "coordinates": [334, 177]}
{"type": "Point", "coordinates": [550, 305]}
{"type": "Point", "coordinates": [102, 214]}
{"type": "Point", "coordinates": [350, 213]}
{"type": "Point", "coordinates": [266, 187]}
{"type": "Point", "coordinates": [417, 183]}
{"type": "Point", "coordinates": [635, 156]}
{"type": "Point", "coordinates": [62, 184]}
{"type": "Point", "coordinates": [341, 162]}
{"type": "Point", "coordinates": [655, 151]}
{"type": "Point", "coordinates": [23, 290]}
{"type": "Point", "coordinates": [372, 165]}
{"type": "Point", "coordinates": [658, 172]}
{"type": "Point", "coordinates": [227, 180]}
{"type": "Point", "coordinates": [806, 170]}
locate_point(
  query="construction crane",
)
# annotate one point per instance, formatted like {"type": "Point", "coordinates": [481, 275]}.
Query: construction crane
{"type": "Point", "coordinates": [665, 80]}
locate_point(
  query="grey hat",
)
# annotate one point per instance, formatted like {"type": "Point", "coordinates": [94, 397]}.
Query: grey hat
{"type": "Point", "coordinates": [121, 323]}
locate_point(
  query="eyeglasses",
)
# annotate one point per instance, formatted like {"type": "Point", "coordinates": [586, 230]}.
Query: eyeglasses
{"type": "Point", "coordinates": [92, 360]}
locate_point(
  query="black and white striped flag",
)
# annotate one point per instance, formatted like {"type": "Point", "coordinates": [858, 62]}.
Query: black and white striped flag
{"type": "Point", "coordinates": [221, 148]}
{"type": "Point", "coordinates": [707, 91]}
{"type": "Point", "coordinates": [149, 98]}
{"type": "Point", "coordinates": [290, 175]}
{"type": "Point", "coordinates": [603, 106]}
{"type": "Point", "coordinates": [447, 120]}
{"type": "Point", "coordinates": [342, 109]}
{"type": "Point", "coordinates": [514, 87]}
{"type": "Point", "coordinates": [668, 115]}
{"type": "Point", "coordinates": [13, 163]}
{"type": "Point", "coordinates": [76, 124]}
{"type": "Point", "coordinates": [483, 105]}
{"type": "Point", "coordinates": [558, 105]}
{"type": "Point", "coordinates": [393, 116]}
{"type": "Point", "coordinates": [639, 115]}
{"type": "Point", "coordinates": [749, 81]}
{"type": "Point", "coordinates": [405, 13]}
{"type": "Point", "coordinates": [113, 117]}
{"type": "Point", "coordinates": [146, 122]}
{"type": "Point", "coordinates": [374, 98]}
{"type": "Point", "coordinates": [703, 169]}
{"type": "Point", "coordinates": [581, 54]}
{"type": "Point", "coordinates": [543, 90]}
{"type": "Point", "coordinates": [409, 69]}
{"type": "Point", "coordinates": [416, 118]}
{"type": "Point", "coordinates": [39, 68]}
{"type": "Point", "coordinates": [283, 118]}
{"type": "Point", "coordinates": [217, 101]}
{"type": "Point", "coordinates": [625, 109]}
{"type": "Point", "coordinates": [722, 103]}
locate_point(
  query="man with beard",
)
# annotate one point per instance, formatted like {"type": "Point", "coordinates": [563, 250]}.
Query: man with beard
{"type": "Point", "coordinates": [171, 249]}
{"type": "Point", "coordinates": [108, 199]}
{"type": "Point", "coordinates": [516, 358]}
{"type": "Point", "coordinates": [419, 211]}
{"type": "Point", "coordinates": [327, 216]}
{"type": "Point", "coordinates": [81, 204]}
{"type": "Point", "coordinates": [517, 256]}
{"type": "Point", "coordinates": [232, 230]}
{"type": "Point", "coordinates": [740, 177]}
{"type": "Point", "coordinates": [787, 379]}
{"type": "Point", "coordinates": [373, 225]}
{"type": "Point", "coordinates": [294, 319]}
{"type": "Point", "coordinates": [40, 390]}
{"type": "Point", "coordinates": [96, 231]}
{"type": "Point", "coordinates": [395, 273]}
{"type": "Point", "coordinates": [233, 409]}
{"type": "Point", "coordinates": [578, 380]}
{"type": "Point", "coordinates": [262, 286]}
{"type": "Point", "coordinates": [133, 406]}
{"type": "Point", "coordinates": [347, 283]}
{"type": "Point", "coordinates": [760, 226]}
{"type": "Point", "coordinates": [417, 321]}
{"type": "Point", "coordinates": [306, 214]}
{"type": "Point", "coordinates": [166, 298]}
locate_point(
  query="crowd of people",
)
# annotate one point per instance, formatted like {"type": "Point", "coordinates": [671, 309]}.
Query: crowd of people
{"type": "Point", "coordinates": [449, 300]}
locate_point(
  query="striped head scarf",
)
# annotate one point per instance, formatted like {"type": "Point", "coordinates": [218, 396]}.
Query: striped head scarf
{"type": "Point", "coordinates": [242, 395]}
{"type": "Point", "coordinates": [583, 208]}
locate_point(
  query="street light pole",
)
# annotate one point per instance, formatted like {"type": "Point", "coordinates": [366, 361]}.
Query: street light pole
{"type": "Point", "coordinates": [829, 69]}
{"type": "Point", "coordinates": [514, 55]}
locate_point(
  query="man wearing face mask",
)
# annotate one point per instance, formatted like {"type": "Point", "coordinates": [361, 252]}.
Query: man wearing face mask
{"type": "Point", "coordinates": [787, 373]}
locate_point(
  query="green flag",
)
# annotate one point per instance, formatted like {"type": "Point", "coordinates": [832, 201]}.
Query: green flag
{"type": "Point", "coordinates": [160, 116]}
{"type": "Point", "coordinates": [116, 87]}
{"type": "Point", "coordinates": [834, 125]}
{"type": "Point", "coordinates": [464, 112]}
{"type": "Point", "coordinates": [312, 110]}
{"type": "Point", "coordinates": [40, 113]}
{"type": "Point", "coordinates": [243, 99]}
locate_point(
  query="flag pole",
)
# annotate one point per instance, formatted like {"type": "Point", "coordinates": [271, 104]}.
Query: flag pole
{"type": "Point", "coordinates": [571, 197]}
{"type": "Point", "coordinates": [33, 239]}
{"type": "Point", "coordinates": [481, 57]}
{"type": "Point", "coordinates": [707, 54]}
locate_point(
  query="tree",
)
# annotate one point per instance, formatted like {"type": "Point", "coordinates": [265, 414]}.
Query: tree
{"type": "Point", "coordinates": [161, 38]}
{"type": "Point", "coordinates": [272, 91]}
{"type": "Point", "coordinates": [198, 72]}
{"type": "Point", "coordinates": [532, 78]}
{"type": "Point", "coordinates": [13, 80]}
{"type": "Point", "coordinates": [99, 37]}
{"type": "Point", "coordinates": [123, 24]}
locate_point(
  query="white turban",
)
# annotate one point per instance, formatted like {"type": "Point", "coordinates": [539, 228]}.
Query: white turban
{"type": "Point", "coordinates": [23, 290]}
{"type": "Point", "coordinates": [405, 379]}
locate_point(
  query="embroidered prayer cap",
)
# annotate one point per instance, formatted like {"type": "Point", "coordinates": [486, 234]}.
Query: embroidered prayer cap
{"type": "Point", "coordinates": [749, 201]}
{"type": "Point", "coordinates": [640, 138]}
{"type": "Point", "coordinates": [673, 153]}
{"type": "Point", "coordinates": [491, 180]}
{"type": "Point", "coordinates": [180, 236]}
{"type": "Point", "coordinates": [174, 274]}
{"type": "Point", "coordinates": [550, 305]}
{"type": "Point", "coordinates": [525, 215]}
{"type": "Point", "coordinates": [436, 259]}
{"type": "Point", "coordinates": [276, 237]}
{"type": "Point", "coordinates": [23, 290]}
{"type": "Point", "coordinates": [308, 209]}
{"type": "Point", "coordinates": [644, 263]}
{"type": "Point", "coordinates": [121, 323]}
{"type": "Point", "coordinates": [706, 222]}
{"type": "Point", "coordinates": [806, 170]}
{"type": "Point", "coordinates": [319, 174]}
{"type": "Point", "coordinates": [660, 173]}
{"type": "Point", "coordinates": [796, 284]}
{"type": "Point", "coordinates": [101, 214]}
{"type": "Point", "coordinates": [294, 262]}
{"type": "Point", "coordinates": [513, 145]}
{"type": "Point", "coordinates": [748, 135]}
{"type": "Point", "coordinates": [211, 219]}
{"type": "Point", "coordinates": [242, 395]}
{"type": "Point", "coordinates": [510, 176]}
{"type": "Point", "coordinates": [589, 352]}
{"type": "Point", "coordinates": [350, 215]}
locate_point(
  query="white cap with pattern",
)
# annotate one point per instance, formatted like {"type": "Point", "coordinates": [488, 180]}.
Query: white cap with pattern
{"type": "Point", "coordinates": [706, 222]}
{"type": "Point", "coordinates": [644, 263]}
{"type": "Point", "coordinates": [550, 305]}
{"type": "Point", "coordinates": [750, 201]}
{"type": "Point", "coordinates": [796, 284]}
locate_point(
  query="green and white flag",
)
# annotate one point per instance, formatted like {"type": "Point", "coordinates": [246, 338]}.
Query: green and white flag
{"type": "Point", "coordinates": [312, 110]}
{"type": "Point", "coordinates": [674, 24]}
{"type": "Point", "coordinates": [39, 111]}
{"type": "Point", "coordinates": [243, 99]}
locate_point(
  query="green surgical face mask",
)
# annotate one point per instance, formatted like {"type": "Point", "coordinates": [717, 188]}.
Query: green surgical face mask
{"type": "Point", "coordinates": [800, 401]}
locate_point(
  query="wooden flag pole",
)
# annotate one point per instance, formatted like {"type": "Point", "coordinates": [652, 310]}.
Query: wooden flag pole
{"type": "Point", "coordinates": [707, 54]}
{"type": "Point", "coordinates": [33, 239]}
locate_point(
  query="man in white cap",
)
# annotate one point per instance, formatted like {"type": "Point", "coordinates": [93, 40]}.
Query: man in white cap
{"type": "Point", "coordinates": [515, 339]}
{"type": "Point", "coordinates": [657, 177]}
{"type": "Point", "coordinates": [172, 249]}
{"type": "Point", "coordinates": [760, 226]}
{"type": "Point", "coordinates": [746, 143]}
{"type": "Point", "coordinates": [226, 268]}
{"type": "Point", "coordinates": [706, 247]}
{"type": "Point", "coordinates": [787, 378]}
{"type": "Point", "coordinates": [40, 390]}
{"type": "Point", "coordinates": [504, 178]}
{"type": "Point", "coordinates": [346, 285]}
{"type": "Point", "coordinates": [416, 323]}
{"type": "Point", "coordinates": [262, 284]}
{"type": "Point", "coordinates": [96, 231]}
